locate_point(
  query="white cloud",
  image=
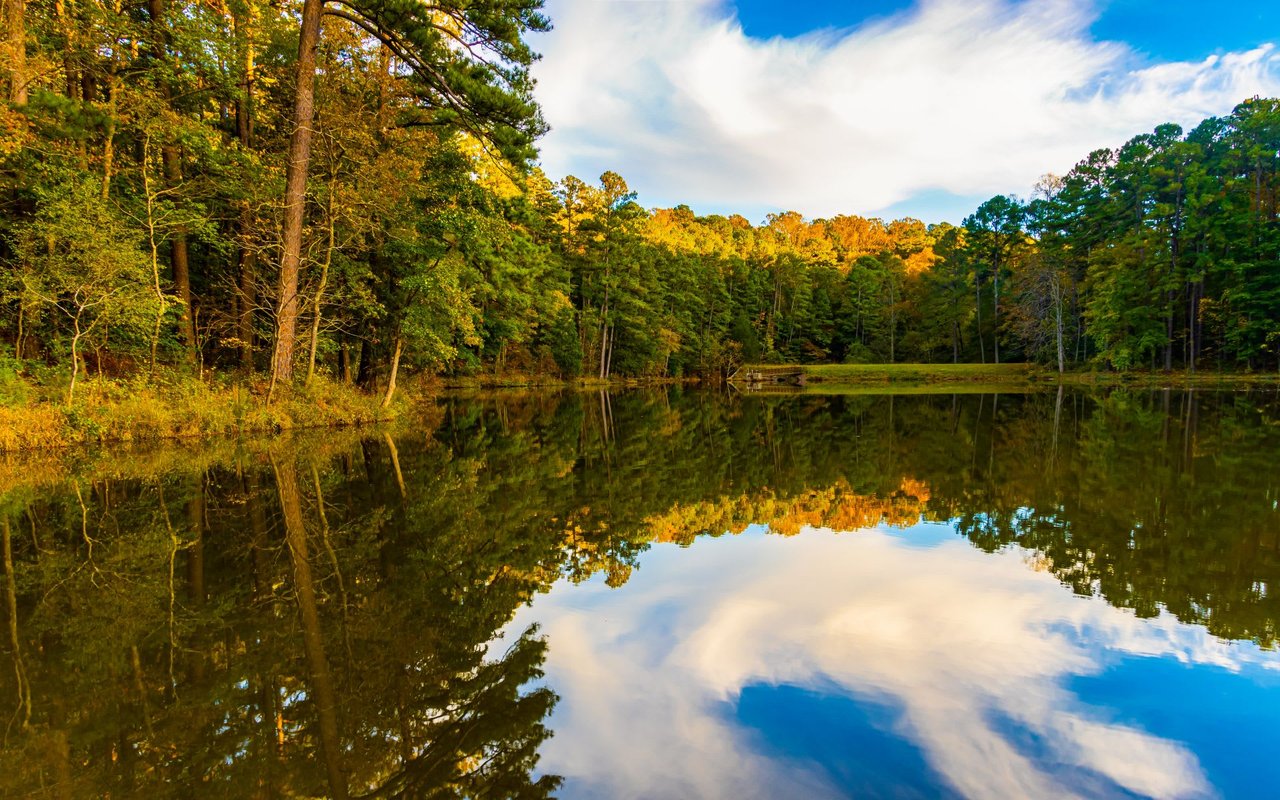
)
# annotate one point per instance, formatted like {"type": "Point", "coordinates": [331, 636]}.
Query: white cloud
{"type": "Point", "coordinates": [963, 96]}
{"type": "Point", "coordinates": [955, 638]}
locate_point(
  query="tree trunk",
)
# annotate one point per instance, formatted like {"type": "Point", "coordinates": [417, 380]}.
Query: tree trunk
{"type": "Point", "coordinates": [248, 293]}
{"type": "Point", "coordinates": [1193, 325]}
{"type": "Point", "coordinates": [608, 362]}
{"type": "Point", "coordinates": [893, 322]}
{"type": "Point", "coordinates": [75, 360]}
{"type": "Point", "coordinates": [244, 105]}
{"type": "Point", "coordinates": [395, 369]}
{"type": "Point", "coordinates": [977, 309]}
{"type": "Point", "coordinates": [17, 344]}
{"type": "Point", "coordinates": [604, 342]}
{"type": "Point", "coordinates": [1057, 322]}
{"type": "Point", "coordinates": [178, 256]}
{"type": "Point", "coordinates": [317, 305]}
{"type": "Point", "coordinates": [109, 141]}
{"type": "Point", "coordinates": [171, 161]}
{"type": "Point", "coordinates": [366, 375]}
{"type": "Point", "coordinates": [295, 192]}
{"type": "Point", "coordinates": [16, 50]}
{"type": "Point", "coordinates": [162, 304]}
{"type": "Point", "coordinates": [244, 132]}
{"type": "Point", "coordinates": [995, 311]}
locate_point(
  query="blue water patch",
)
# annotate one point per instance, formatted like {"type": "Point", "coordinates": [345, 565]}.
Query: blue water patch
{"type": "Point", "coordinates": [851, 741]}
{"type": "Point", "coordinates": [1226, 718]}
{"type": "Point", "coordinates": [923, 535]}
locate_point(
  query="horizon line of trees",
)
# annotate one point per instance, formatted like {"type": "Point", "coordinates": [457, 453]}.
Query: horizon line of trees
{"type": "Point", "coordinates": [345, 188]}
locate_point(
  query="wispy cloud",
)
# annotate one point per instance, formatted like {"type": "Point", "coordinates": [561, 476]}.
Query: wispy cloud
{"type": "Point", "coordinates": [968, 97]}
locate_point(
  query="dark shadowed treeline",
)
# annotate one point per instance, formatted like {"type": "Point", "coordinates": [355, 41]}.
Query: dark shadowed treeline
{"type": "Point", "coordinates": [302, 188]}
{"type": "Point", "coordinates": [315, 618]}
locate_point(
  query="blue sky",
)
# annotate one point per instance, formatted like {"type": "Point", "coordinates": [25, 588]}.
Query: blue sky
{"type": "Point", "coordinates": [1161, 29]}
{"type": "Point", "coordinates": [879, 107]}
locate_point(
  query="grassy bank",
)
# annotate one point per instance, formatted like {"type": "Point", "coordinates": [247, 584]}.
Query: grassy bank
{"type": "Point", "coordinates": [898, 389]}
{"type": "Point", "coordinates": [172, 406]}
{"type": "Point", "coordinates": [919, 373]}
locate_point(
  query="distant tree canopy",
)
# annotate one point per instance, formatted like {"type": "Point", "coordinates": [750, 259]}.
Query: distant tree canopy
{"type": "Point", "coordinates": [156, 209]}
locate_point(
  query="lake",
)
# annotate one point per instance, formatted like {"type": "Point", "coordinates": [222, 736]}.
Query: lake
{"type": "Point", "coordinates": [675, 594]}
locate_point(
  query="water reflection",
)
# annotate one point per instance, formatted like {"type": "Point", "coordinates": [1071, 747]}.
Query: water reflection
{"type": "Point", "coordinates": [316, 617]}
{"type": "Point", "coordinates": [854, 665]}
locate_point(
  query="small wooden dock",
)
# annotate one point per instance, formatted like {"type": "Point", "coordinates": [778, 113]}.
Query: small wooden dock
{"type": "Point", "coordinates": [761, 375]}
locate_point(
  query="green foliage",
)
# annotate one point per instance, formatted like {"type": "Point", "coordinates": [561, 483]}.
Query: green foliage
{"type": "Point", "coordinates": [140, 203]}
{"type": "Point", "coordinates": [13, 389]}
{"type": "Point", "coordinates": [563, 343]}
{"type": "Point", "coordinates": [78, 260]}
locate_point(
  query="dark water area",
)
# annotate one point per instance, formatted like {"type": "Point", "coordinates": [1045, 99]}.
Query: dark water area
{"type": "Point", "coordinates": [659, 595]}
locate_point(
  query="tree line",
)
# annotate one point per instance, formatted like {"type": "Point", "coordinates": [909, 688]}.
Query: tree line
{"type": "Point", "coordinates": [348, 188]}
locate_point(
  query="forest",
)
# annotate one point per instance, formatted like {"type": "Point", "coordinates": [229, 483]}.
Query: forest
{"type": "Point", "coordinates": [278, 191]}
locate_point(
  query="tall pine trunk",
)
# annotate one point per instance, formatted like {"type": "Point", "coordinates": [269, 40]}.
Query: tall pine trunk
{"type": "Point", "coordinates": [247, 294]}
{"type": "Point", "coordinates": [1055, 287]}
{"type": "Point", "coordinates": [171, 162]}
{"type": "Point", "coordinates": [295, 191]}
{"type": "Point", "coordinates": [995, 309]}
{"type": "Point", "coordinates": [977, 310]}
{"type": "Point", "coordinates": [247, 261]}
{"type": "Point", "coordinates": [179, 259]}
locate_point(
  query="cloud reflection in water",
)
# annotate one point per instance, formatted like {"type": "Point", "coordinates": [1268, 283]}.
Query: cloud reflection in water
{"type": "Point", "coordinates": [972, 653]}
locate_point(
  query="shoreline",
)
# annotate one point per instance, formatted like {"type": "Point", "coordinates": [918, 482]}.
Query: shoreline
{"type": "Point", "coordinates": [172, 408]}
{"type": "Point", "coordinates": [978, 375]}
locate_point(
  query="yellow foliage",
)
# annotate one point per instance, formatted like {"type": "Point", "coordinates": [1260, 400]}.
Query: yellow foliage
{"type": "Point", "coordinates": [837, 507]}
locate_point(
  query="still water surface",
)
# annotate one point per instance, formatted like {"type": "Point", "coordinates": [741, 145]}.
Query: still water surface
{"type": "Point", "coordinates": [669, 595]}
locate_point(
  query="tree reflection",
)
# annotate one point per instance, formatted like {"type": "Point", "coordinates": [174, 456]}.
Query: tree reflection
{"type": "Point", "coordinates": [319, 618]}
